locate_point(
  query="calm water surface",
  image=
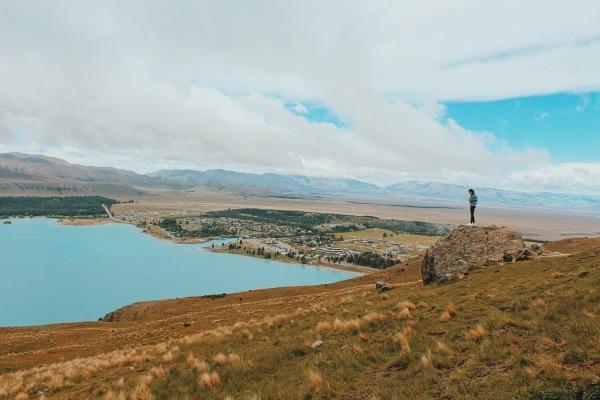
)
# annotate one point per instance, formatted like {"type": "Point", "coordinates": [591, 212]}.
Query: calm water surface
{"type": "Point", "coordinates": [57, 273]}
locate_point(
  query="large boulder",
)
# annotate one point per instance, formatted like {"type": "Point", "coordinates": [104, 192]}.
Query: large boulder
{"type": "Point", "coordinates": [467, 246]}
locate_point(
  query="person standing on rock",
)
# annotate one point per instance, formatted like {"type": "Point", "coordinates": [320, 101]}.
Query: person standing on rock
{"type": "Point", "coordinates": [472, 205]}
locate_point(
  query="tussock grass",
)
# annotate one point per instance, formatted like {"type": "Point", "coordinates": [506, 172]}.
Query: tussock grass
{"type": "Point", "coordinates": [194, 363]}
{"type": "Point", "coordinates": [403, 314]}
{"type": "Point", "coordinates": [443, 348]}
{"type": "Point", "coordinates": [110, 395]}
{"type": "Point", "coordinates": [157, 372]}
{"type": "Point", "coordinates": [449, 312]}
{"type": "Point", "coordinates": [246, 334]}
{"type": "Point", "coordinates": [373, 317]}
{"type": "Point", "coordinates": [348, 326]}
{"type": "Point", "coordinates": [476, 334]}
{"type": "Point", "coordinates": [220, 359]}
{"type": "Point", "coordinates": [234, 358]}
{"type": "Point", "coordinates": [314, 380]}
{"type": "Point", "coordinates": [209, 380]}
{"type": "Point", "coordinates": [405, 304]}
{"type": "Point", "coordinates": [402, 339]}
{"type": "Point", "coordinates": [358, 349]}
{"type": "Point", "coordinates": [141, 392]}
{"type": "Point", "coordinates": [168, 357]}
{"type": "Point", "coordinates": [427, 359]}
{"type": "Point", "coordinates": [324, 327]}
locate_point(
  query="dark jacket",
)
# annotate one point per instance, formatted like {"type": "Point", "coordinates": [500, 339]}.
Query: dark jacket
{"type": "Point", "coordinates": [473, 200]}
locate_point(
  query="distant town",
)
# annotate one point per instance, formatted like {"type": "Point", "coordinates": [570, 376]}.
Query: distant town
{"type": "Point", "coordinates": [343, 241]}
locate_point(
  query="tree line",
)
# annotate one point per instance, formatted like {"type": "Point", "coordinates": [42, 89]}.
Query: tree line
{"type": "Point", "coordinates": [68, 206]}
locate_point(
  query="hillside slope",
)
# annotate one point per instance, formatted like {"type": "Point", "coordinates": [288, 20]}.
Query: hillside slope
{"type": "Point", "coordinates": [525, 330]}
{"type": "Point", "coordinates": [39, 174]}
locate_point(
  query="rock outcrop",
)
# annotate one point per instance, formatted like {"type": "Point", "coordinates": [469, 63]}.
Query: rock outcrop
{"type": "Point", "coordinates": [381, 287]}
{"type": "Point", "coordinates": [467, 246]}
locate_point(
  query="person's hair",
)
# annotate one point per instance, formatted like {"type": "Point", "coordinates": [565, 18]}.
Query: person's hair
{"type": "Point", "coordinates": [471, 191]}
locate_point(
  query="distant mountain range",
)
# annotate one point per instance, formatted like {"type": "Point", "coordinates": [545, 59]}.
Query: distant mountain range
{"type": "Point", "coordinates": [26, 174]}
{"type": "Point", "coordinates": [38, 175]}
{"type": "Point", "coordinates": [412, 192]}
{"type": "Point", "coordinates": [267, 184]}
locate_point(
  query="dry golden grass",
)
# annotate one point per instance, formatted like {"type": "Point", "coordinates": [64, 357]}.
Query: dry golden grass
{"type": "Point", "coordinates": [349, 326]}
{"type": "Point", "coordinates": [405, 304]}
{"type": "Point", "coordinates": [443, 348]}
{"type": "Point", "coordinates": [427, 359]}
{"type": "Point", "coordinates": [110, 395]}
{"type": "Point", "coordinates": [234, 358]}
{"type": "Point", "coordinates": [141, 392]}
{"type": "Point", "coordinates": [324, 327]}
{"type": "Point", "coordinates": [358, 349]}
{"type": "Point", "coordinates": [538, 302]}
{"type": "Point", "coordinates": [314, 380]}
{"type": "Point", "coordinates": [477, 333]}
{"type": "Point", "coordinates": [402, 339]}
{"type": "Point", "coordinates": [448, 313]}
{"type": "Point", "coordinates": [220, 359]}
{"type": "Point", "coordinates": [209, 380]}
{"type": "Point", "coordinates": [198, 365]}
{"type": "Point", "coordinates": [246, 334]}
{"type": "Point", "coordinates": [403, 314]}
{"type": "Point", "coordinates": [373, 317]}
{"type": "Point", "coordinates": [167, 357]}
{"type": "Point", "coordinates": [445, 316]}
{"type": "Point", "coordinates": [531, 372]}
{"type": "Point", "coordinates": [157, 372]}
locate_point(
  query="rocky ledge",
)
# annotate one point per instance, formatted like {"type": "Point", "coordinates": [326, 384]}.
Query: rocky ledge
{"type": "Point", "coordinates": [468, 246]}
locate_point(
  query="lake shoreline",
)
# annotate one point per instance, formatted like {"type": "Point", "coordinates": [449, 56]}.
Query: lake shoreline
{"type": "Point", "coordinates": [359, 270]}
{"type": "Point", "coordinates": [162, 234]}
{"type": "Point", "coordinates": [108, 266]}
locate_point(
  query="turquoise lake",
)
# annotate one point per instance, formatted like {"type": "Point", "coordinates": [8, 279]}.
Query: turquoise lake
{"type": "Point", "coordinates": [58, 273]}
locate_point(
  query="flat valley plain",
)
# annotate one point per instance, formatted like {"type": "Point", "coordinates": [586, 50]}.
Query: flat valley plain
{"type": "Point", "coordinates": [532, 223]}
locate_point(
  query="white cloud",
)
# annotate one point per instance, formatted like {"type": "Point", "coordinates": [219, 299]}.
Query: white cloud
{"type": "Point", "coordinates": [583, 178]}
{"type": "Point", "coordinates": [151, 85]}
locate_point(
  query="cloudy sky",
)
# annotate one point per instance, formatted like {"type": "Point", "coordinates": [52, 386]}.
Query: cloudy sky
{"type": "Point", "coordinates": [479, 92]}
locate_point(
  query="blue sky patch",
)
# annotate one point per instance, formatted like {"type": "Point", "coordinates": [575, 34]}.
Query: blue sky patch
{"type": "Point", "coordinates": [316, 112]}
{"type": "Point", "coordinates": [567, 125]}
